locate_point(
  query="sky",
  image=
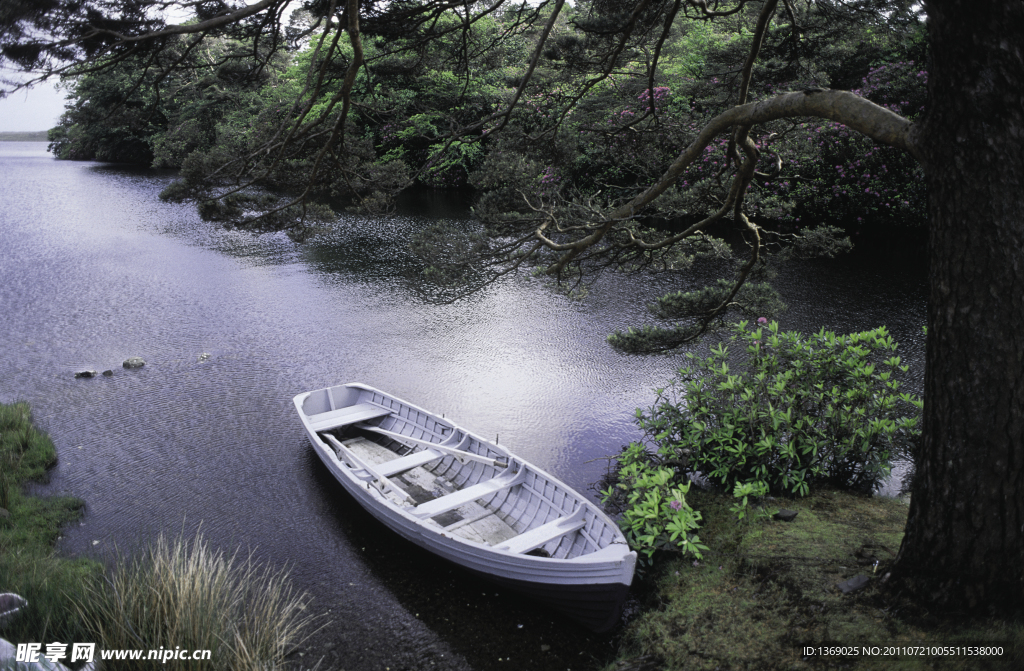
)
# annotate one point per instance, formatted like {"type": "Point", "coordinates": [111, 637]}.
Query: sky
{"type": "Point", "coordinates": [39, 108]}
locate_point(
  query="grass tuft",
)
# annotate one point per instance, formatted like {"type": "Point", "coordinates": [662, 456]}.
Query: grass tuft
{"type": "Point", "coordinates": [182, 594]}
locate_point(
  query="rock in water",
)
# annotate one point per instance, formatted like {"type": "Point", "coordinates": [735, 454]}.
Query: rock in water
{"type": "Point", "coordinates": [86, 373]}
{"type": "Point", "coordinates": [134, 362]}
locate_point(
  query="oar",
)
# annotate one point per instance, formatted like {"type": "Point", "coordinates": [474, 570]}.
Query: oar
{"type": "Point", "coordinates": [379, 480]}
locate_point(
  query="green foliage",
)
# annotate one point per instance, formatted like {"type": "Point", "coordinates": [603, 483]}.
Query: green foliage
{"type": "Point", "coordinates": [754, 297]}
{"type": "Point", "coordinates": [25, 452]}
{"type": "Point", "coordinates": [742, 492]}
{"type": "Point", "coordinates": [655, 514]}
{"type": "Point", "coordinates": [28, 532]}
{"type": "Point", "coordinates": [790, 412]}
{"type": "Point", "coordinates": [575, 133]}
{"type": "Point", "coordinates": [108, 118]}
{"type": "Point", "coordinates": [448, 251]}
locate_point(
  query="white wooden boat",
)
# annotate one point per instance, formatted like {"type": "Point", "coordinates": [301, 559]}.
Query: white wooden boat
{"type": "Point", "coordinates": [471, 501]}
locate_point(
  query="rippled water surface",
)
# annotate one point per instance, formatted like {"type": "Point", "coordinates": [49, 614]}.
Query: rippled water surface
{"type": "Point", "coordinates": [94, 268]}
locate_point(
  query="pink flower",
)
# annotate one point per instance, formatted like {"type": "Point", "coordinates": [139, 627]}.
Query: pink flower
{"type": "Point", "coordinates": [762, 320]}
{"type": "Point", "coordinates": [676, 505]}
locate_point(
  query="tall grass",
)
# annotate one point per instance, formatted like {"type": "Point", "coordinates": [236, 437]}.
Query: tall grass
{"type": "Point", "coordinates": [184, 595]}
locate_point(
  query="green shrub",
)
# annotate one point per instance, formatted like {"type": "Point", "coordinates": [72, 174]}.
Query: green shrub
{"type": "Point", "coordinates": [655, 514]}
{"type": "Point", "coordinates": [789, 412]}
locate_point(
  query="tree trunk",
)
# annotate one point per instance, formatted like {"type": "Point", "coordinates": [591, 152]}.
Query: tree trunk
{"type": "Point", "coordinates": [964, 543]}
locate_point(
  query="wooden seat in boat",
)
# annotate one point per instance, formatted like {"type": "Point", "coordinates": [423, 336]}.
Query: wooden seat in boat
{"type": "Point", "coordinates": [333, 419]}
{"type": "Point", "coordinates": [452, 501]}
{"type": "Point", "coordinates": [545, 533]}
{"type": "Point", "coordinates": [408, 462]}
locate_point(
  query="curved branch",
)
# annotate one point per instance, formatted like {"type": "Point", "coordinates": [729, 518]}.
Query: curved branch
{"type": "Point", "coordinates": [760, 30]}
{"type": "Point", "coordinates": [843, 107]}
{"type": "Point", "coordinates": [185, 28]}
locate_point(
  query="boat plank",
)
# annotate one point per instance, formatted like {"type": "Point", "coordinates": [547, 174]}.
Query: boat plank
{"type": "Point", "coordinates": [488, 529]}
{"type": "Point", "coordinates": [408, 462]}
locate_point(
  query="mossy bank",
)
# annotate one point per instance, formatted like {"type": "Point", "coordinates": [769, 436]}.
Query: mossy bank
{"type": "Point", "coordinates": [766, 596]}
{"type": "Point", "coordinates": [29, 527]}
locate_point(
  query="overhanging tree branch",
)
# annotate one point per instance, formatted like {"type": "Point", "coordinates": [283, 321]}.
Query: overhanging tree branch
{"type": "Point", "coordinates": [843, 107]}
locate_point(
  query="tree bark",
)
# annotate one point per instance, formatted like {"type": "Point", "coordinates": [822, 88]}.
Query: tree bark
{"type": "Point", "coordinates": [964, 543]}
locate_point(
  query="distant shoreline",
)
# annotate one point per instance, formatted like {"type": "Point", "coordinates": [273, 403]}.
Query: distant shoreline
{"type": "Point", "coordinates": [24, 136]}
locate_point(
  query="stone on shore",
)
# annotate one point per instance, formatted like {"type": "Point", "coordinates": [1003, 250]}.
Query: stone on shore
{"type": "Point", "coordinates": [786, 515]}
{"type": "Point", "coordinates": [853, 584]}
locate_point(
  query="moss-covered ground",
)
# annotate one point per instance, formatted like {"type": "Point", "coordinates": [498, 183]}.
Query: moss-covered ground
{"type": "Point", "coordinates": [768, 591]}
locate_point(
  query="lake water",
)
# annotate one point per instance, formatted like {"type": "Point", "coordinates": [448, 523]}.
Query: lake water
{"type": "Point", "coordinates": [94, 268]}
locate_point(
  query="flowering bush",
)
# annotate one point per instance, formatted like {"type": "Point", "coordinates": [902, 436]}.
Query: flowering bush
{"type": "Point", "coordinates": [834, 175]}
